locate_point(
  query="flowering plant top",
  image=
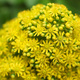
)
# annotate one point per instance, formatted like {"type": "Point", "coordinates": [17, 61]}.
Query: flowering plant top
{"type": "Point", "coordinates": [42, 43]}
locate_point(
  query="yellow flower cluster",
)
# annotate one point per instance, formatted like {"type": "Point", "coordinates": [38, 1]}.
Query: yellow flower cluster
{"type": "Point", "coordinates": [42, 43]}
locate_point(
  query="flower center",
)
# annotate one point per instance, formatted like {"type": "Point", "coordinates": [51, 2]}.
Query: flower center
{"type": "Point", "coordinates": [60, 38]}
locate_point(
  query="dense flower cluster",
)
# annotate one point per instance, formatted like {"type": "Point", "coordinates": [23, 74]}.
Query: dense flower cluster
{"type": "Point", "coordinates": [42, 43]}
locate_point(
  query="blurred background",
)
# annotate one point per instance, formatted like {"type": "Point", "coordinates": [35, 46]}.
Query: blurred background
{"type": "Point", "coordinates": [10, 8]}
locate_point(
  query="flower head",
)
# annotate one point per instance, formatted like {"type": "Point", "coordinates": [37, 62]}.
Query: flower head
{"type": "Point", "coordinates": [42, 43]}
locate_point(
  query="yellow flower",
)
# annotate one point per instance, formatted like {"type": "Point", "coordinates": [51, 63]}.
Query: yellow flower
{"type": "Point", "coordinates": [19, 43]}
{"type": "Point", "coordinates": [70, 59]}
{"type": "Point", "coordinates": [77, 76]}
{"type": "Point", "coordinates": [3, 45]}
{"type": "Point", "coordinates": [46, 14]}
{"type": "Point", "coordinates": [57, 56]}
{"type": "Point", "coordinates": [26, 60]}
{"type": "Point", "coordinates": [16, 45]}
{"type": "Point", "coordinates": [60, 40]}
{"type": "Point", "coordinates": [29, 76]}
{"type": "Point", "coordinates": [42, 60]}
{"type": "Point", "coordinates": [69, 75]}
{"type": "Point", "coordinates": [38, 78]}
{"type": "Point", "coordinates": [44, 71]}
{"type": "Point", "coordinates": [55, 71]}
{"type": "Point", "coordinates": [33, 44]}
{"type": "Point", "coordinates": [3, 78]}
{"type": "Point", "coordinates": [71, 46]}
{"type": "Point", "coordinates": [54, 9]}
{"type": "Point", "coordinates": [11, 66]}
{"type": "Point", "coordinates": [4, 69]}
{"type": "Point", "coordinates": [47, 46]}
{"type": "Point", "coordinates": [76, 28]}
{"type": "Point", "coordinates": [36, 53]}
{"type": "Point", "coordinates": [35, 10]}
{"type": "Point", "coordinates": [39, 30]}
{"type": "Point", "coordinates": [51, 31]}
{"type": "Point", "coordinates": [78, 69]}
{"type": "Point", "coordinates": [17, 68]}
{"type": "Point", "coordinates": [25, 18]}
{"type": "Point", "coordinates": [11, 31]}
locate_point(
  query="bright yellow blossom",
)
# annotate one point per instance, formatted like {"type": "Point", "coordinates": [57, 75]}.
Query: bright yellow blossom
{"type": "Point", "coordinates": [29, 76]}
{"type": "Point", "coordinates": [51, 31]}
{"type": "Point", "coordinates": [70, 59]}
{"type": "Point", "coordinates": [57, 56]}
{"type": "Point", "coordinates": [69, 75]}
{"type": "Point", "coordinates": [60, 40]}
{"type": "Point", "coordinates": [39, 30]}
{"type": "Point", "coordinates": [42, 43]}
{"type": "Point", "coordinates": [42, 60]}
{"type": "Point", "coordinates": [44, 71]}
{"type": "Point", "coordinates": [33, 44]}
{"type": "Point", "coordinates": [47, 46]}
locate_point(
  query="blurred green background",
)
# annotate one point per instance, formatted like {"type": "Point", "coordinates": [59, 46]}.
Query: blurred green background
{"type": "Point", "coordinates": [10, 8]}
